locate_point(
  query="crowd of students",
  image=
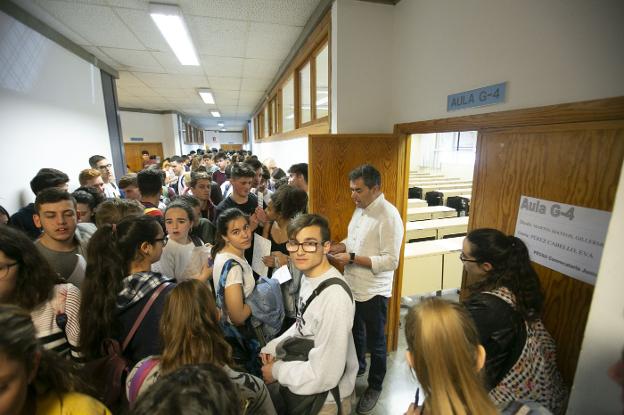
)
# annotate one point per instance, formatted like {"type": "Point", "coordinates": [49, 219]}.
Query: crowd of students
{"type": "Point", "coordinates": [151, 275]}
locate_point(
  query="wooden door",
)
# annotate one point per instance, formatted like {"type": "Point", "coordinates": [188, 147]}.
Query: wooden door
{"type": "Point", "coordinates": [574, 163]}
{"type": "Point", "coordinates": [231, 147]}
{"type": "Point", "coordinates": [134, 161]}
{"type": "Point", "coordinates": [331, 158]}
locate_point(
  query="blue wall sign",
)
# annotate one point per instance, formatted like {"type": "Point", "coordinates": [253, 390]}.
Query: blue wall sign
{"type": "Point", "coordinates": [136, 138]}
{"type": "Point", "coordinates": [487, 95]}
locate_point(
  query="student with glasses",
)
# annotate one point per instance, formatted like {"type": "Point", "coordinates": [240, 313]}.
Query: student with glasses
{"type": "Point", "coordinates": [506, 304]}
{"type": "Point", "coordinates": [105, 167]}
{"type": "Point", "coordinates": [119, 283]}
{"type": "Point", "coordinates": [27, 280]}
{"type": "Point", "coordinates": [325, 312]}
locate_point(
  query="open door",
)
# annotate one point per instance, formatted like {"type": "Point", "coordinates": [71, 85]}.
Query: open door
{"type": "Point", "coordinates": [331, 157]}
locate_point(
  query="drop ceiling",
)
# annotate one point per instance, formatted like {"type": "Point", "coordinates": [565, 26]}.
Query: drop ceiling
{"type": "Point", "coordinates": [241, 45]}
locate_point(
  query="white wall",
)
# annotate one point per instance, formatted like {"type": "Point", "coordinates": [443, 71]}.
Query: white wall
{"type": "Point", "coordinates": [214, 139]}
{"type": "Point", "coordinates": [361, 67]}
{"type": "Point", "coordinates": [52, 111]}
{"type": "Point", "coordinates": [549, 52]}
{"type": "Point", "coordinates": [593, 392]}
{"type": "Point", "coordinates": [153, 128]}
{"type": "Point", "coordinates": [285, 153]}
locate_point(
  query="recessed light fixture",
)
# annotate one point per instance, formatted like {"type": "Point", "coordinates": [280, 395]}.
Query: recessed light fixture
{"type": "Point", "coordinates": [215, 114]}
{"type": "Point", "coordinates": [170, 22]}
{"type": "Point", "coordinates": [220, 124]}
{"type": "Point", "coordinates": [223, 129]}
{"type": "Point", "coordinates": [206, 96]}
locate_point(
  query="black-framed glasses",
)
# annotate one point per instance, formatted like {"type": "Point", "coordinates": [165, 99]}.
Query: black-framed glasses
{"type": "Point", "coordinates": [307, 246]}
{"type": "Point", "coordinates": [4, 269]}
{"type": "Point", "coordinates": [163, 240]}
{"type": "Point", "coordinates": [105, 166]}
{"type": "Point", "coordinates": [463, 258]}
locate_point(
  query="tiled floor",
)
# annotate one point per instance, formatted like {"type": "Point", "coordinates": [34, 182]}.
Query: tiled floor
{"type": "Point", "coordinates": [400, 384]}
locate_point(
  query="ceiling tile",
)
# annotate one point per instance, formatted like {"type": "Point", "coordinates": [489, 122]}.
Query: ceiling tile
{"type": "Point", "coordinates": [130, 4]}
{"type": "Point", "coordinates": [97, 24]}
{"type": "Point", "coordinates": [175, 92]}
{"type": "Point", "coordinates": [162, 80]}
{"type": "Point", "coordinates": [254, 84]}
{"type": "Point", "coordinates": [192, 81]}
{"type": "Point", "coordinates": [225, 94]}
{"type": "Point", "coordinates": [218, 37]}
{"type": "Point", "coordinates": [261, 68]}
{"type": "Point", "coordinates": [136, 60]}
{"type": "Point", "coordinates": [291, 12]}
{"type": "Point", "coordinates": [141, 91]}
{"type": "Point", "coordinates": [222, 66]}
{"type": "Point", "coordinates": [270, 41]}
{"type": "Point", "coordinates": [225, 83]}
{"type": "Point", "coordinates": [31, 7]}
{"type": "Point", "coordinates": [144, 28]}
{"type": "Point", "coordinates": [224, 9]}
{"type": "Point", "coordinates": [101, 56]}
{"type": "Point", "coordinates": [171, 64]}
{"type": "Point", "coordinates": [128, 79]}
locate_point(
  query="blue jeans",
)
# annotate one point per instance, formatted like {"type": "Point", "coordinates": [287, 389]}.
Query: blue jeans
{"type": "Point", "coordinates": [369, 334]}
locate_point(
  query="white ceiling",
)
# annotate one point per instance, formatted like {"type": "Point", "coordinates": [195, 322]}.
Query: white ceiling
{"type": "Point", "coordinates": [241, 45]}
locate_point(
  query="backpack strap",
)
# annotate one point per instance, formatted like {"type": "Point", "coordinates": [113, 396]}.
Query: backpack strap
{"type": "Point", "coordinates": [141, 316]}
{"type": "Point", "coordinates": [139, 377]}
{"type": "Point", "coordinates": [327, 283]}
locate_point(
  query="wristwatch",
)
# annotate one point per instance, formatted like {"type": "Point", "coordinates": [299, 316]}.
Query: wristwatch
{"type": "Point", "coordinates": [351, 257]}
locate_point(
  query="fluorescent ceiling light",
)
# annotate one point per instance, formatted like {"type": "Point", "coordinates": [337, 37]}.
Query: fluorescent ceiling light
{"type": "Point", "coordinates": [206, 96]}
{"type": "Point", "coordinates": [220, 124]}
{"type": "Point", "coordinates": [170, 22]}
{"type": "Point", "coordinates": [215, 114]}
{"type": "Point", "coordinates": [223, 129]}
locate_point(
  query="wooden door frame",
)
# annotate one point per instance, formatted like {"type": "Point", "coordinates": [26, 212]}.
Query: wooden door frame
{"type": "Point", "coordinates": [608, 109]}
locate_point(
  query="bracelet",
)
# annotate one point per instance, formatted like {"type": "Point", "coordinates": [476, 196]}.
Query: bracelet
{"type": "Point", "coordinates": [277, 263]}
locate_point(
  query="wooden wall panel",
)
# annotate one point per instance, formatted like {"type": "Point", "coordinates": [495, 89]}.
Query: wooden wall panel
{"type": "Point", "coordinates": [576, 163]}
{"type": "Point", "coordinates": [331, 158]}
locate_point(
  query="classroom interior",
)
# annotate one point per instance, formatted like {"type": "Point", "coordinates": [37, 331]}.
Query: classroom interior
{"type": "Point", "coordinates": [368, 82]}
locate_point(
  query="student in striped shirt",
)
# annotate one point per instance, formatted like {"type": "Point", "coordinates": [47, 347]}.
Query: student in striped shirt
{"type": "Point", "coordinates": [28, 281]}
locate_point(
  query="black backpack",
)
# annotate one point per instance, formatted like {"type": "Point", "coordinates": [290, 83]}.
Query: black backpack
{"type": "Point", "coordinates": [414, 193]}
{"type": "Point", "coordinates": [435, 198]}
{"type": "Point", "coordinates": [460, 204]}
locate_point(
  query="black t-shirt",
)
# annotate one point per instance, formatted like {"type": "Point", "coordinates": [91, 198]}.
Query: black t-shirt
{"type": "Point", "coordinates": [247, 208]}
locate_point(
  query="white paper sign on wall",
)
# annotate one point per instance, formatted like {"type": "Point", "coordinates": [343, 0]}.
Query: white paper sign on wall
{"type": "Point", "coordinates": [566, 238]}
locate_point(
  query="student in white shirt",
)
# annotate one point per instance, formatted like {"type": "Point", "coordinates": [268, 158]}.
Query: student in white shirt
{"type": "Point", "coordinates": [370, 254]}
{"type": "Point", "coordinates": [328, 321]}
{"type": "Point", "coordinates": [108, 177]}
{"type": "Point", "coordinates": [176, 258]}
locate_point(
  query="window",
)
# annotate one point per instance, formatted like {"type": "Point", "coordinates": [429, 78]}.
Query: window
{"type": "Point", "coordinates": [265, 128]}
{"type": "Point", "coordinates": [288, 105]}
{"type": "Point", "coordinates": [273, 128]}
{"type": "Point", "coordinates": [305, 94]}
{"type": "Point", "coordinates": [322, 82]}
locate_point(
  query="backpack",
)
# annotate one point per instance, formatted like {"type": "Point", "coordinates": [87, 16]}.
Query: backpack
{"type": "Point", "coordinates": [414, 193]}
{"type": "Point", "coordinates": [297, 349]}
{"type": "Point", "coordinates": [434, 198]}
{"type": "Point", "coordinates": [106, 374]}
{"type": "Point", "coordinates": [267, 307]}
{"type": "Point", "coordinates": [460, 204]}
{"type": "Point", "coordinates": [245, 340]}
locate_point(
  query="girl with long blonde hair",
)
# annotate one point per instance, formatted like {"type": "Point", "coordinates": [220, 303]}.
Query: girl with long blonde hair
{"type": "Point", "coordinates": [191, 335]}
{"type": "Point", "coordinates": [444, 351]}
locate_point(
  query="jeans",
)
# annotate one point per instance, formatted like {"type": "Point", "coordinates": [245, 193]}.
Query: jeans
{"type": "Point", "coordinates": [369, 334]}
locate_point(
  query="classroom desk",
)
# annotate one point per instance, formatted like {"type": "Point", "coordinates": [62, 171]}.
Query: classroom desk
{"type": "Point", "coordinates": [431, 265]}
{"type": "Point", "coordinates": [468, 196]}
{"type": "Point", "coordinates": [412, 203]}
{"type": "Point", "coordinates": [413, 175]}
{"type": "Point", "coordinates": [430, 212]}
{"type": "Point", "coordinates": [434, 179]}
{"type": "Point", "coordinates": [440, 187]}
{"type": "Point", "coordinates": [436, 228]}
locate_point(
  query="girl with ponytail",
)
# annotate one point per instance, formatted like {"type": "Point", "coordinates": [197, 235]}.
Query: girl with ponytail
{"type": "Point", "coordinates": [506, 304]}
{"type": "Point", "coordinates": [118, 283]}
